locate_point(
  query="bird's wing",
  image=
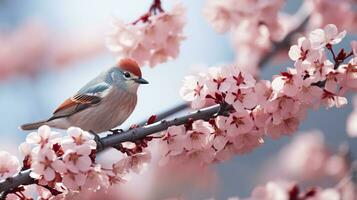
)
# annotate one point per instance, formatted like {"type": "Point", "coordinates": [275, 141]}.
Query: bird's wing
{"type": "Point", "coordinates": [89, 95]}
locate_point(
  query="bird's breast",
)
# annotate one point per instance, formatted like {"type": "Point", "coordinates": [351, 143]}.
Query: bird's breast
{"type": "Point", "coordinates": [111, 112]}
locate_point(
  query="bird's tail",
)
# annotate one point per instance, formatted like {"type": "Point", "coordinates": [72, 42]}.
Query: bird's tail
{"type": "Point", "coordinates": [33, 126]}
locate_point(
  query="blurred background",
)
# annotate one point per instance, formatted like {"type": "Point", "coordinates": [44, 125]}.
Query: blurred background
{"type": "Point", "coordinates": [49, 49]}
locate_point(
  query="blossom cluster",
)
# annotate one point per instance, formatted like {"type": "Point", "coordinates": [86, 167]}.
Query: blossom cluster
{"type": "Point", "coordinates": [316, 160]}
{"type": "Point", "coordinates": [9, 166]}
{"type": "Point", "coordinates": [151, 40]}
{"type": "Point", "coordinates": [68, 164]}
{"type": "Point", "coordinates": [287, 191]}
{"type": "Point", "coordinates": [342, 13]}
{"type": "Point", "coordinates": [21, 56]}
{"type": "Point", "coordinates": [253, 110]}
{"type": "Point", "coordinates": [253, 26]}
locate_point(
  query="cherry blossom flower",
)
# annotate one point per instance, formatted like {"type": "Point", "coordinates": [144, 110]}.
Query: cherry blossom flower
{"type": "Point", "coordinates": [79, 160]}
{"type": "Point", "coordinates": [74, 181]}
{"type": "Point", "coordinates": [9, 165]}
{"type": "Point", "coordinates": [44, 136]}
{"type": "Point", "coordinates": [240, 78]}
{"type": "Point", "coordinates": [318, 68]}
{"type": "Point", "coordinates": [227, 152]}
{"type": "Point", "coordinates": [270, 191]}
{"type": "Point", "coordinates": [288, 83]}
{"type": "Point", "coordinates": [347, 75]}
{"type": "Point", "coordinates": [150, 42]}
{"type": "Point", "coordinates": [46, 164]}
{"type": "Point", "coordinates": [25, 149]}
{"type": "Point", "coordinates": [331, 99]}
{"type": "Point", "coordinates": [96, 179]}
{"type": "Point", "coordinates": [200, 157]}
{"type": "Point", "coordinates": [247, 142]}
{"type": "Point", "coordinates": [137, 161]}
{"type": "Point", "coordinates": [194, 90]}
{"type": "Point", "coordinates": [329, 35]}
{"type": "Point", "coordinates": [302, 50]}
{"type": "Point", "coordinates": [241, 99]}
{"type": "Point", "coordinates": [77, 138]}
{"type": "Point", "coordinates": [309, 95]}
{"type": "Point", "coordinates": [172, 142]}
{"type": "Point", "coordinates": [263, 92]}
{"type": "Point", "coordinates": [239, 123]}
{"type": "Point", "coordinates": [219, 137]}
{"type": "Point", "coordinates": [198, 138]}
{"type": "Point", "coordinates": [217, 79]}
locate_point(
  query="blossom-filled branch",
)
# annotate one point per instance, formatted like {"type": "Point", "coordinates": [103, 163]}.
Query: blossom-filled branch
{"type": "Point", "coordinates": [246, 112]}
{"type": "Point", "coordinates": [24, 178]}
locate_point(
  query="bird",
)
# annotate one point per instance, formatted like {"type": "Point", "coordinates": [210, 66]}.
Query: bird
{"type": "Point", "coordinates": [102, 104]}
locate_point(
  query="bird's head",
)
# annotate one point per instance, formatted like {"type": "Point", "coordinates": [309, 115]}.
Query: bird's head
{"type": "Point", "coordinates": [127, 74]}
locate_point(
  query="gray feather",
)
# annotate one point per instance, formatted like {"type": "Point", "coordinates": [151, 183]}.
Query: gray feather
{"type": "Point", "coordinates": [32, 126]}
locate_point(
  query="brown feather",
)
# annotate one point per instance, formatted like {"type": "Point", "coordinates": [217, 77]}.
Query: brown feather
{"type": "Point", "coordinates": [76, 103]}
{"type": "Point", "coordinates": [66, 104]}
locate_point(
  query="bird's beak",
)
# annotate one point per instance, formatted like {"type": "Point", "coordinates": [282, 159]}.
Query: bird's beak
{"type": "Point", "coordinates": [141, 81]}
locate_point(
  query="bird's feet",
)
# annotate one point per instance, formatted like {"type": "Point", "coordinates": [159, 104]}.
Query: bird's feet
{"type": "Point", "coordinates": [98, 140]}
{"type": "Point", "coordinates": [116, 131]}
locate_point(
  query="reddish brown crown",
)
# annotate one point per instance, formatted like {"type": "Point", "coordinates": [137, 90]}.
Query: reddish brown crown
{"type": "Point", "coordinates": [130, 65]}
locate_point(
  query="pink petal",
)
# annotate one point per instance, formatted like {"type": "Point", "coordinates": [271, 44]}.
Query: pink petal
{"type": "Point", "coordinates": [219, 142]}
{"type": "Point", "coordinates": [84, 163]}
{"type": "Point", "coordinates": [294, 52]}
{"type": "Point", "coordinates": [59, 166]}
{"type": "Point", "coordinates": [49, 174]}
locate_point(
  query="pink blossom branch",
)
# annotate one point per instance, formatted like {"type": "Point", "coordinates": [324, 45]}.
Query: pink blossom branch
{"type": "Point", "coordinates": [23, 178]}
{"type": "Point", "coordinates": [302, 17]}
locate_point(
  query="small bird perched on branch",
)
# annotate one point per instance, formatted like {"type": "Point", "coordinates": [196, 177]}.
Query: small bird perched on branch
{"type": "Point", "coordinates": [102, 104]}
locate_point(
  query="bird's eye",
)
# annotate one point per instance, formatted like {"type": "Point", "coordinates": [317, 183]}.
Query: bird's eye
{"type": "Point", "coordinates": [127, 74]}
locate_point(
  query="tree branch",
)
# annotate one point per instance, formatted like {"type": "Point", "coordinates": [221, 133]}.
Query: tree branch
{"type": "Point", "coordinates": [168, 113]}
{"type": "Point", "coordinates": [302, 16]}
{"type": "Point", "coordinates": [141, 132]}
